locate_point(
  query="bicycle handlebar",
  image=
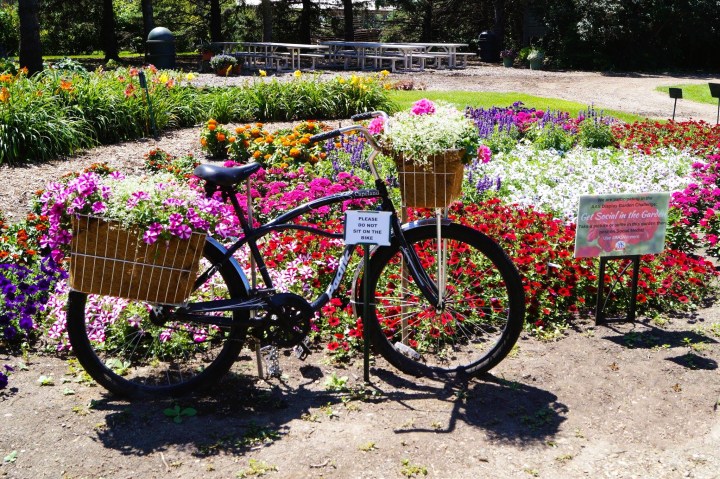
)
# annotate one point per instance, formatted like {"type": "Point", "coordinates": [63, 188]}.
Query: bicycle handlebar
{"type": "Point", "coordinates": [326, 135]}
{"type": "Point", "coordinates": [367, 115]}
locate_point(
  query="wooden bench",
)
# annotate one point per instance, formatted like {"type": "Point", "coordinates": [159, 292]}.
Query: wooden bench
{"type": "Point", "coordinates": [461, 59]}
{"type": "Point", "coordinates": [313, 57]}
{"type": "Point", "coordinates": [391, 59]}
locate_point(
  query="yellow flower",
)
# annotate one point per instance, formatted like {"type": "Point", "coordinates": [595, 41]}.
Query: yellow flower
{"type": "Point", "coordinates": [295, 152]}
{"type": "Point", "coordinates": [164, 78]}
{"type": "Point", "coordinates": [341, 80]}
{"type": "Point", "coordinates": [262, 73]}
{"type": "Point", "coordinates": [4, 95]}
{"type": "Point", "coordinates": [297, 73]}
{"type": "Point", "coordinates": [384, 73]}
{"type": "Point", "coordinates": [190, 77]}
{"type": "Point", "coordinates": [6, 78]}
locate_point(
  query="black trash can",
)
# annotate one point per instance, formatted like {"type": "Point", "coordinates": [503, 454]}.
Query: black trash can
{"type": "Point", "coordinates": [489, 47]}
{"type": "Point", "coordinates": [160, 49]}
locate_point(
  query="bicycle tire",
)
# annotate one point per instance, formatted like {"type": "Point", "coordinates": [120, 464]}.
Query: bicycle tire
{"type": "Point", "coordinates": [131, 363]}
{"type": "Point", "coordinates": [482, 317]}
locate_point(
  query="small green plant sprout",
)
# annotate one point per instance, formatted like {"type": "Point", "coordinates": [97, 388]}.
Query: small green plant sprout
{"type": "Point", "coordinates": [715, 329]}
{"type": "Point", "coordinates": [564, 458]}
{"type": "Point", "coordinates": [177, 413]}
{"type": "Point", "coordinates": [335, 383]}
{"type": "Point", "coordinates": [10, 458]}
{"type": "Point", "coordinates": [412, 470]}
{"type": "Point", "coordinates": [68, 392]}
{"type": "Point", "coordinates": [46, 381]}
{"type": "Point", "coordinates": [368, 446]}
{"type": "Point", "coordinates": [256, 469]}
{"type": "Point", "coordinates": [329, 411]}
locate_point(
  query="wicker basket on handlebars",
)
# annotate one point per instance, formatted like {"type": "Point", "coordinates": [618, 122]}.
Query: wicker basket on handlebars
{"type": "Point", "coordinates": [436, 185]}
{"type": "Point", "coordinates": [107, 259]}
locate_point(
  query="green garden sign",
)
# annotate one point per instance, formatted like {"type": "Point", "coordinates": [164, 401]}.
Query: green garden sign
{"type": "Point", "coordinates": [620, 226]}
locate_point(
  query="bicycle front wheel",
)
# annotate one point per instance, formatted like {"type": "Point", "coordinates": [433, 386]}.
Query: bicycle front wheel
{"type": "Point", "coordinates": [480, 314]}
{"type": "Point", "coordinates": [129, 350]}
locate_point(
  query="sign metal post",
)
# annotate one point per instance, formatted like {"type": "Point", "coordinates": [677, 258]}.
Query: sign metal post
{"type": "Point", "coordinates": [367, 228]}
{"type": "Point", "coordinates": [675, 93]}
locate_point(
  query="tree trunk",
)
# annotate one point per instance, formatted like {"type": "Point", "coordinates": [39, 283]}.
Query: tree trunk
{"type": "Point", "coordinates": [427, 21]}
{"type": "Point", "coordinates": [215, 21]}
{"type": "Point", "coordinates": [148, 18]}
{"type": "Point", "coordinates": [109, 37]}
{"type": "Point", "coordinates": [30, 50]}
{"type": "Point", "coordinates": [266, 9]}
{"type": "Point", "coordinates": [349, 20]}
{"type": "Point", "coordinates": [305, 21]}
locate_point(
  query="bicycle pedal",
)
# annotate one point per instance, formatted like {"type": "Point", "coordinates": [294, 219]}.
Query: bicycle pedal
{"type": "Point", "coordinates": [271, 360]}
{"type": "Point", "coordinates": [301, 350]}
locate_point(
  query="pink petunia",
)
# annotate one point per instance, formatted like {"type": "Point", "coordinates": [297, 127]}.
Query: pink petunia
{"type": "Point", "coordinates": [423, 107]}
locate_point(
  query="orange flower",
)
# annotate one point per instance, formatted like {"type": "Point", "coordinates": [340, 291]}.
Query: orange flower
{"type": "Point", "coordinates": [65, 85]}
{"type": "Point", "coordinates": [239, 130]}
{"type": "Point", "coordinates": [212, 126]}
{"type": "Point", "coordinates": [6, 78]}
{"type": "Point", "coordinates": [295, 152]}
{"type": "Point", "coordinates": [232, 139]}
{"type": "Point", "coordinates": [304, 141]}
{"type": "Point", "coordinates": [220, 137]}
{"type": "Point", "coordinates": [203, 141]}
{"type": "Point", "coordinates": [256, 154]}
{"type": "Point", "coordinates": [4, 95]}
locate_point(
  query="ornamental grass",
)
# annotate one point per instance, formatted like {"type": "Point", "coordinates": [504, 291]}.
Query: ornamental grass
{"type": "Point", "coordinates": [60, 112]}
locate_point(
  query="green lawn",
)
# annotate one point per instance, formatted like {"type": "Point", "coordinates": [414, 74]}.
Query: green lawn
{"type": "Point", "coordinates": [461, 99]}
{"type": "Point", "coordinates": [693, 92]}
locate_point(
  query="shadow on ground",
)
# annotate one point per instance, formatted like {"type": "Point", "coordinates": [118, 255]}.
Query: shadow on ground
{"type": "Point", "coordinates": [244, 413]}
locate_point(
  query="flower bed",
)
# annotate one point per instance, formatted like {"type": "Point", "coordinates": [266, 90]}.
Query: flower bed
{"type": "Point", "coordinates": [529, 210]}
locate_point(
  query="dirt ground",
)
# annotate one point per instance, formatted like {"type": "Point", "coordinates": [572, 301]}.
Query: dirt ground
{"type": "Point", "coordinates": [619, 400]}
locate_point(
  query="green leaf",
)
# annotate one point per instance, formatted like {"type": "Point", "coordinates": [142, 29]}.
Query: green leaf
{"type": "Point", "coordinates": [189, 411]}
{"type": "Point", "coordinates": [10, 457]}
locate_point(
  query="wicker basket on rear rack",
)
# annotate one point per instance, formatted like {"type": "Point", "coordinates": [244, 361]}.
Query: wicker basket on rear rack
{"type": "Point", "coordinates": [435, 185]}
{"type": "Point", "coordinates": [107, 259]}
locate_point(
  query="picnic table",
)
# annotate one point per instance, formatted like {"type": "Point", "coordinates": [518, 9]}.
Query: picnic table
{"type": "Point", "coordinates": [275, 55]}
{"type": "Point", "coordinates": [411, 55]}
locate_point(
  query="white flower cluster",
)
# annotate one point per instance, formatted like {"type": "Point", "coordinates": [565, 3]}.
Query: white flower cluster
{"type": "Point", "coordinates": [553, 182]}
{"type": "Point", "coordinates": [417, 136]}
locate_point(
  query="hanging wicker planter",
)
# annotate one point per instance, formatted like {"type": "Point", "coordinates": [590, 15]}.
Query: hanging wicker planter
{"type": "Point", "coordinates": [435, 185]}
{"type": "Point", "coordinates": [107, 259]}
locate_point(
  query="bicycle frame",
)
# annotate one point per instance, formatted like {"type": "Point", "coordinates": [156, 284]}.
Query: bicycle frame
{"type": "Point", "coordinates": [194, 311]}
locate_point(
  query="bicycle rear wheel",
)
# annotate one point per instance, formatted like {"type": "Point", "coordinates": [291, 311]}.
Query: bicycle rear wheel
{"type": "Point", "coordinates": [128, 350]}
{"type": "Point", "coordinates": [478, 321]}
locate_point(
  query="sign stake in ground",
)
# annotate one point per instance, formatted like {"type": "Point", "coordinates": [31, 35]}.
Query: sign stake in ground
{"type": "Point", "coordinates": [675, 93]}
{"type": "Point", "coordinates": [367, 228]}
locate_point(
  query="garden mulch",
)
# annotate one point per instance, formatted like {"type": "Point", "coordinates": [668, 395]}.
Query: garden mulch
{"type": "Point", "coordinates": [619, 400]}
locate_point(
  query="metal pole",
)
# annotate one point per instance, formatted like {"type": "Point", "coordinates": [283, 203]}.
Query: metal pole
{"type": "Point", "coordinates": [675, 105]}
{"type": "Point", "coordinates": [599, 316]}
{"type": "Point", "coordinates": [717, 120]}
{"type": "Point", "coordinates": [633, 298]}
{"type": "Point", "coordinates": [366, 312]}
{"type": "Point", "coordinates": [143, 84]}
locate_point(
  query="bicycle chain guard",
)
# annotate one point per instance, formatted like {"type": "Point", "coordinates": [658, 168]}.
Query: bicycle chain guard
{"type": "Point", "coordinates": [288, 319]}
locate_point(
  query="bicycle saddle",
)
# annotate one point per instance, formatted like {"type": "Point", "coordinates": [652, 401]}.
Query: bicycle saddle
{"type": "Point", "coordinates": [224, 176]}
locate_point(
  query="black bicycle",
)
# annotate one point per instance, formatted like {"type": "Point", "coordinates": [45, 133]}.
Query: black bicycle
{"type": "Point", "coordinates": [448, 302]}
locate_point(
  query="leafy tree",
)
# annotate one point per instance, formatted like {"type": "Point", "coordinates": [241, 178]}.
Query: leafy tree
{"type": "Point", "coordinates": [9, 29]}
